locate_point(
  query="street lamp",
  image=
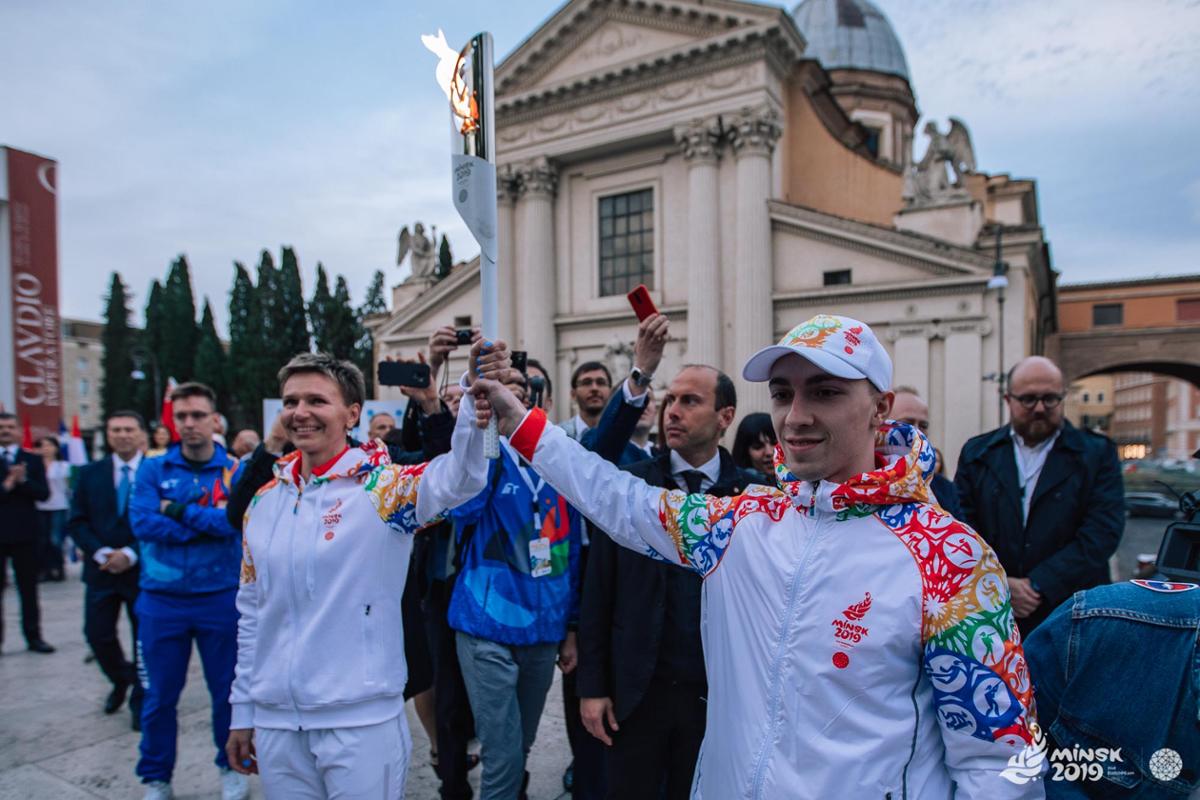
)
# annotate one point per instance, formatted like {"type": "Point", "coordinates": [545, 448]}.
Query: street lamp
{"type": "Point", "coordinates": [999, 282]}
{"type": "Point", "coordinates": [142, 356]}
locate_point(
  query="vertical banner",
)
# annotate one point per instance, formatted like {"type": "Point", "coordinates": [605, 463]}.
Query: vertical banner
{"type": "Point", "coordinates": [29, 269]}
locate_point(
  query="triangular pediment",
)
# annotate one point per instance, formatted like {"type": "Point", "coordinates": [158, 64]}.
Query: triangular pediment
{"type": "Point", "coordinates": [592, 36]}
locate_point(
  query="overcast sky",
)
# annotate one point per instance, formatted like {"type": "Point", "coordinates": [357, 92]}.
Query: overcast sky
{"type": "Point", "coordinates": [221, 128]}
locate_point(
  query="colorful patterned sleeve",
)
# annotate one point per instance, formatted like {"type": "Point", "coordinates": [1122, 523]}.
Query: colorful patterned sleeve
{"type": "Point", "coordinates": [982, 692]}
{"type": "Point", "coordinates": [393, 490]}
{"type": "Point", "coordinates": [690, 530]}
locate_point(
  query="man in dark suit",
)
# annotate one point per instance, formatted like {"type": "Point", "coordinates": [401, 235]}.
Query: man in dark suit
{"type": "Point", "coordinates": [99, 524]}
{"type": "Point", "coordinates": [910, 408]}
{"type": "Point", "coordinates": [22, 484]}
{"type": "Point", "coordinates": [1045, 495]}
{"type": "Point", "coordinates": [640, 618]}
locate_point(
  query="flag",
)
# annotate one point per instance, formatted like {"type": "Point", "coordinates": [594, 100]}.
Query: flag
{"type": "Point", "coordinates": [76, 451]}
{"type": "Point", "coordinates": [168, 410]}
{"type": "Point", "coordinates": [27, 438]}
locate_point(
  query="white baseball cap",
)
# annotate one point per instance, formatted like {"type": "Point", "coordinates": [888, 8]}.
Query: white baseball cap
{"type": "Point", "coordinates": [841, 346]}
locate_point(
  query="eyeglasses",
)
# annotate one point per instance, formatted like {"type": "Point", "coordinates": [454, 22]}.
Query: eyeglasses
{"type": "Point", "coordinates": [1029, 401]}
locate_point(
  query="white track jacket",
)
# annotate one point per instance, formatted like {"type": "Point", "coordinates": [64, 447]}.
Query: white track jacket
{"type": "Point", "coordinates": [859, 641]}
{"type": "Point", "coordinates": [321, 639]}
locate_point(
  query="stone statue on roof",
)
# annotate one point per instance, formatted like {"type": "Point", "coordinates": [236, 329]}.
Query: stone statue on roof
{"type": "Point", "coordinates": [939, 176]}
{"type": "Point", "coordinates": [423, 249]}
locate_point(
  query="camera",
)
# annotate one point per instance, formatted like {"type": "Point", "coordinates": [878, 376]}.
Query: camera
{"type": "Point", "coordinates": [462, 336]}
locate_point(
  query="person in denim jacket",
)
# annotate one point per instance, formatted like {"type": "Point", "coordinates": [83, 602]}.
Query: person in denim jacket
{"type": "Point", "coordinates": [1116, 667]}
{"type": "Point", "coordinates": [191, 563]}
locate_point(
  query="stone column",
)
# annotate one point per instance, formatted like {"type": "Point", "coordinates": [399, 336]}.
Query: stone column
{"type": "Point", "coordinates": [539, 298]}
{"type": "Point", "coordinates": [963, 392]}
{"type": "Point", "coordinates": [911, 361]}
{"type": "Point", "coordinates": [700, 142]}
{"type": "Point", "coordinates": [506, 272]}
{"type": "Point", "coordinates": [753, 136]}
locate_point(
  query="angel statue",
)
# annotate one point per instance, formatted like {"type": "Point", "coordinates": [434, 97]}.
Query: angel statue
{"type": "Point", "coordinates": [929, 181]}
{"type": "Point", "coordinates": [423, 249]}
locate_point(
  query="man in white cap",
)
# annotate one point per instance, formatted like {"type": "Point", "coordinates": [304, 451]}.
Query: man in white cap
{"type": "Point", "coordinates": [859, 642]}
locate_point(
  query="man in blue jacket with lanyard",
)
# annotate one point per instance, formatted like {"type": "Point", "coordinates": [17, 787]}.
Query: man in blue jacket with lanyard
{"type": "Point", "coordinates": [191, 560]}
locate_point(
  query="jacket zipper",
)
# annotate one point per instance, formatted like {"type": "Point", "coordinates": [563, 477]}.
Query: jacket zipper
{"type": "Point", "coordinates": [775, 700]}
{"type": "Point", "coordinates": [295, 613]}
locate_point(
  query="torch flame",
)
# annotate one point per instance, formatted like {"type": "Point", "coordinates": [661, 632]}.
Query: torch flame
{"type": "Point", "coordinates": [449, 73]}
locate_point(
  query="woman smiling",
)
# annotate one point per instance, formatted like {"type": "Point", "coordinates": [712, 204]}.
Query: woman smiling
{"type": "Point", "coordinates": [318, 692]}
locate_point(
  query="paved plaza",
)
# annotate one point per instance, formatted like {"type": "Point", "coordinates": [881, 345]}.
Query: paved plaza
{"type": "Point", "coordinates": [56, 743]}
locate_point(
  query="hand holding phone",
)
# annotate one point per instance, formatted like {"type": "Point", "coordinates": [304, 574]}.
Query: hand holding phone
{"type": "Point", "coordinates": [402, 373]}
{"type": "Point", "coordinates": [643, 306]}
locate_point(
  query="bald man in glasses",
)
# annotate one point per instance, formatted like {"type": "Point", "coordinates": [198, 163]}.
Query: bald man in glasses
{"type": "Point", "coordinates": [1046, 495]}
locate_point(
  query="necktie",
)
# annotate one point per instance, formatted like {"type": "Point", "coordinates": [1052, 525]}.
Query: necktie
{"type": "Point", "coordinates": [693, 479]}
{"type": "Point", "coordinates": [123, 490]}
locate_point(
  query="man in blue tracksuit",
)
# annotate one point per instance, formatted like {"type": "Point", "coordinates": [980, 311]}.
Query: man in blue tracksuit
{"type": "Point", "coordinates": [517, 591]}
{"type": "Point", "coordinates": [191, 559]}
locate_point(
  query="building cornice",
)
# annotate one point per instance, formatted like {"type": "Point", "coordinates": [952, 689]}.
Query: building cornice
{"type": "Point", "coordinates": [773, 42]}
{"type": "Point", "coordinates": [458, 281]}
{"type": "Point", "coordinates": [909, 248]}
{"type": "Point", "coordinates": [826, 296]}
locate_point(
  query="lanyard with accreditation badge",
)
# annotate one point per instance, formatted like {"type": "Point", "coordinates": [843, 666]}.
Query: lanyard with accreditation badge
{"type": "Point", "coordinates": [539, 548]}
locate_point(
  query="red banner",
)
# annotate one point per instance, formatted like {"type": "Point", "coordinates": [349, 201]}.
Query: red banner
{"type": "Point", "coordinates": [36, 331]}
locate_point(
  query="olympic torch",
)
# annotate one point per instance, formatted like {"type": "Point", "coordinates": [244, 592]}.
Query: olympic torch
{"type": "Point", "coordinates": [466, 77]}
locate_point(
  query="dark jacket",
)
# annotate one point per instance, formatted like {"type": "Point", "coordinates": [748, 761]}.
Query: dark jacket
{"type": "Point", "coordinates": [947, 495]}
{"type": "Point", "coordinates": [1075, 521]}
{"type": "Point", "coordinates": [1116, 667]}
{"type": "Point", "coordinates": [95, 523]}
{"type": "Point", "coordinates": [610, 438]}
{"type": "Point", "coordinates": [624, 603]}
{"type": "Point", "coordinates": [19, 521]}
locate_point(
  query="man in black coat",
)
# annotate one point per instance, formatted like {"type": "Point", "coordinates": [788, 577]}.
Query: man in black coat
{"type": "Point", "coordinates": [99, 525]}
{"type": "Point", "coordinates": [22, 484]}
{"type": "Point", "coordinates": [640, 618]}
{"type": "Point", "coordinates": [1045, 495]}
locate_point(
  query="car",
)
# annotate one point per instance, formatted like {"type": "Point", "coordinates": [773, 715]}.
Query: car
{"type": "Point", "coordinates": [1151, 504]}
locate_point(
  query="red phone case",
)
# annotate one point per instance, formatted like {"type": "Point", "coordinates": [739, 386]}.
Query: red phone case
{"type": "Point", "coordinates": [643, 306]}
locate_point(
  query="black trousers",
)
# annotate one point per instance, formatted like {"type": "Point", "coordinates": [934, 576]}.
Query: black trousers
{"type": "Point", "coordinates": [101, 613]}
{"type": "Point", "coordinates": [658, 744]}
{"type": "Point", "coordinates": [452, 708]}
{"type": "Point", "coordinates": [587, 752]}
{"type": "Point", "coordinates": [25, 566]}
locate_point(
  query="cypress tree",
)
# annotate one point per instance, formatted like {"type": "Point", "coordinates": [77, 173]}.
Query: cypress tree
{"type": "Point", "coordinates": [179, 334]}
{"type": "Point", "coordinates": [320, 312]}
{"type": "Point", "coordinates": [117, 339]}
{"type": "Point", "coordinates": [151, 342]}
{"type": "Point", "coordinates": [266, 361]}
{"type": "Point", "coordinates": [364, 340]}
{"type": "Point", "coordinates": [375, 303]}
{"type": "Point", "coordinates": [245, 317]}
{"type": "Point", "coordinates": [343, 323]}
{"type": "Point", "coordinates": [289, 310]}
{"type": "Point", "coordinates": [445, 260]}
{"type": "Point", "coordinates": [211, 367]}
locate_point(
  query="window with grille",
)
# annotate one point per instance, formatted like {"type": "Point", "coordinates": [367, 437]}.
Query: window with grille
{"type": "Point", "coordinates": [1108, 314]}
{"type": "Point", "coordinates": [626, 241]}
{"type": "Point", "coordinates": [1187, 310]}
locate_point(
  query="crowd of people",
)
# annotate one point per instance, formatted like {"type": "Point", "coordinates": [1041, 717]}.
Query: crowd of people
{"type": "Point", "coordinates": [817, 612]}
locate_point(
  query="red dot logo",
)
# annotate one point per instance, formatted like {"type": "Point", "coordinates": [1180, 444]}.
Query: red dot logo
{"type": "Point", "coordinates": [849, 351]}
{"type": "Point", "coordinates": [841, 660]}
{"type": "Point", "coordinates": [328, 536]}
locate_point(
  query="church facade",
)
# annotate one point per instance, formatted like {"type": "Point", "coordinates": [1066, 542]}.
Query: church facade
{"type": "Point", "coordinates": [752, 167]}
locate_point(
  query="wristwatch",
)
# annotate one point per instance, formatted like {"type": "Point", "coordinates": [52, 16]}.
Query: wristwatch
{"type": "Point", "coordinates": [640, 378]}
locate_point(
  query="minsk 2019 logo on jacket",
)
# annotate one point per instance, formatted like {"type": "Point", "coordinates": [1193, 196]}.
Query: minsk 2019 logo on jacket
{"type": "Point", "coordinates": [849, 632]}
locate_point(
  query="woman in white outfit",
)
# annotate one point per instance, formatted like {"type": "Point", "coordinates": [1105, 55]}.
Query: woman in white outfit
{"type": "Point", "coordinates": [318, 706]}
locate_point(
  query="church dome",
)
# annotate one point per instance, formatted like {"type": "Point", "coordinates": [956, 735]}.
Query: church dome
{"type": "Point", "coordinates": [850, 34]}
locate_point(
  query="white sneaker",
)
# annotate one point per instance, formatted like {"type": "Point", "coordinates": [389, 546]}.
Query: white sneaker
{"type": "Point", "coordinates": [234, 786]}
{"type": "Point", "coordinates": [158, 790]}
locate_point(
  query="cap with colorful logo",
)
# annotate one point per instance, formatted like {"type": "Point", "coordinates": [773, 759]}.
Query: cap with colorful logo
{"type": "Point", "coordinates": [841, 346]}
